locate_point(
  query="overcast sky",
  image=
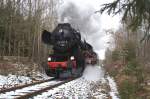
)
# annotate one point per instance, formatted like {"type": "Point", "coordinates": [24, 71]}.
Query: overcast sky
{"type": "Point", "coordinates": [95, 24]}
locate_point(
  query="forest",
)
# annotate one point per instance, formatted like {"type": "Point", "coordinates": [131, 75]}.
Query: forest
{"type": "Point", "coordinates": [128, 58]}
{"type": "Point", "coordinates": [21, 24]}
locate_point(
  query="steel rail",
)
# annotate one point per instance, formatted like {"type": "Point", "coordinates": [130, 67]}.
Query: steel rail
{"type": "Point", "coordinates": [26, 85]}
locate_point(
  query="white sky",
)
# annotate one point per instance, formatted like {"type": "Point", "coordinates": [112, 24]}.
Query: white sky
{"type": "Point", "coordinates": [100, 39]}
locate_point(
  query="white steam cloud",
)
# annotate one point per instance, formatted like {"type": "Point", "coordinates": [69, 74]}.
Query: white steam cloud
{"type": "Point", "coordinates": [86, 21]}
{"type": "Point", "coordinates": [93, 73]}
{"type": "Point", "coordinates": [80, 14]}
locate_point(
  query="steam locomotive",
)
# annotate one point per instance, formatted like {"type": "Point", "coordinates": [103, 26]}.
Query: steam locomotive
{"type": "Point", "coordinates": [70, 53]}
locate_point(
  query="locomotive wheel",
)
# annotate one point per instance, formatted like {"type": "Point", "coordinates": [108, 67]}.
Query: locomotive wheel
{"type": "Point", "coordinates": [69, 65]}
{"type": "Point", "coordinates": [64, 74]}
{"type": "Point", "coordinates": [47, 72]}
{"type": "Point", "coordinates": [75, 72]}
{"type": "Point", "coordinates": [58, 72]}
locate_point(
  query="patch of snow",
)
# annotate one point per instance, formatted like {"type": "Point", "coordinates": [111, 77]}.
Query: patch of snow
{"type": "Point", "coordinates": [77, 89]}
{"type": "Point", "coordinates": [114, 92]}
{"type": "Point", "coordinates": [13, 80]}
{"type": "Point", "coordinates": [41, 76]}
{"type": "Point", "coordinates": [26, 89]}
{"type": "Point", "coordinates": [93, 84]}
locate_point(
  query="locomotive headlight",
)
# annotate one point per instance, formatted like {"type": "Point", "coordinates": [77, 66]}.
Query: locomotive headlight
{"type": "Point", "coordinates": [72, 58]}
{"type": "Point", "coordinates": [49, 59]}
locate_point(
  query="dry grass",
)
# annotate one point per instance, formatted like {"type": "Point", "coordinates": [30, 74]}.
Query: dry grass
{"type": "Point", "coordinates": [11, 65]}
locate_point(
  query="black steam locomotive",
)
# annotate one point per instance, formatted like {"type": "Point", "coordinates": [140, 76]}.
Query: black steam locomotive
{"type": "Point", "coordinates": [69, 52]}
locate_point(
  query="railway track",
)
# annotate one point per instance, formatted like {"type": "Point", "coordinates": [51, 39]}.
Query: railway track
{"type": "Point", "coordinates": [33, 89]}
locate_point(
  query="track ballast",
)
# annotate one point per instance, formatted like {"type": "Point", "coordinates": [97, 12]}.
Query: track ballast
{"type": "Point", "coordinates": [33, 89]}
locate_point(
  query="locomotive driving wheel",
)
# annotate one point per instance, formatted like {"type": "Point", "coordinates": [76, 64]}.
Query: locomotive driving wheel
{"type": "Point", "coordinates": [58, 71]}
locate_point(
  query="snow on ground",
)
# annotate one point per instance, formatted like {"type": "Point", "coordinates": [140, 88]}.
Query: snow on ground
{"type": "Point", "coordinates": [92, 85]}
{"type": "Point", "coordinates": [114, 92]}
{"type": "Point", "coordinates": [77, 89]}
{"type": "Point", "coordinates": [13, 80]}
{"type": "Point", "coordinates": [14, 94]}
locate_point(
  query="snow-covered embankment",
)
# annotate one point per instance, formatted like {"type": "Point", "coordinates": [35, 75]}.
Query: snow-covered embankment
{"type": "Point", "coordinates": [92, 85]}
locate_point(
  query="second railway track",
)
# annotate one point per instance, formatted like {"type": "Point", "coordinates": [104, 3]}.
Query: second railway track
{"type": "Point", "coordinates": [33, 89]}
